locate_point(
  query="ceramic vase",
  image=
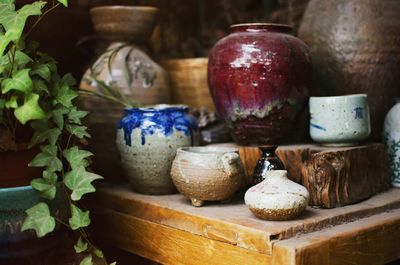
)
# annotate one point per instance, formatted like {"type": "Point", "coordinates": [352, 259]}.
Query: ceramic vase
{"type": "Point", "coordinates": [277, 198]}
{"type": "Point", "coordinates": [259, 77]}
{"type": "Point", "coordinates": [207, 173]}
{"type": "Point", "coordinates": [268, 161]}
{"type": "Point", "coordinates": [125, 71]}
{"type": "Point", "coordinates": [147, 139]}
{"type": "Point", "coordinates": [391, 134]}
{"type": "Point", "coordinates": [355, 49]}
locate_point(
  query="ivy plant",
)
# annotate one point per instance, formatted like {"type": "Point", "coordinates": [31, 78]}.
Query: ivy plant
{"type": "Point", "coordinates": [33, 93]}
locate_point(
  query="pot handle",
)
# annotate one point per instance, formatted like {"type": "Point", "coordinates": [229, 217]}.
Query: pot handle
{"type": "Point", "coordinates": [229, 161]}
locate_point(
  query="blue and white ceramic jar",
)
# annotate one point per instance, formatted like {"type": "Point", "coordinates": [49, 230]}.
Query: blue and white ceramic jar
{"type": "Point", "coordinates": [391, 137]}
{"type": "Point", "coordinates": [147, 139]}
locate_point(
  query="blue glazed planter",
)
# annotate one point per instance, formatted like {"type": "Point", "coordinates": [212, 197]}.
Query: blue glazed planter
{"type": "Point", "coordinates": [15, 244]}
{"type": "Point", "coordinates": [147, 139]}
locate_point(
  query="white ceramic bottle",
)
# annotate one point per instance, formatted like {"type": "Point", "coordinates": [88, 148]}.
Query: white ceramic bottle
{"type": "Point", "coordinates": [277, 198]}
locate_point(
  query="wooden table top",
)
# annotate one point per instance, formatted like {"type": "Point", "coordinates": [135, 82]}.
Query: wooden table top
{"type": "Point", "coordinates": [233, 225]}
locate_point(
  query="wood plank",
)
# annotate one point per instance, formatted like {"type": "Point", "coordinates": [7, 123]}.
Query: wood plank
{"type": "Point", "coordinates": [168, 245]}
{"type": "Point", "coordinates": [369, 241]}
{"type": "Point", "coordinates": [337, 176]}
{"type": "Point", "coordinates": [233, 223]}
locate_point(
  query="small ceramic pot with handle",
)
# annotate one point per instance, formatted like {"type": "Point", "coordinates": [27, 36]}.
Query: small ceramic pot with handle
{"type": "Point", "coordinates": [207, 173]}
{"type": "Point", "coordinates": [147, 139]}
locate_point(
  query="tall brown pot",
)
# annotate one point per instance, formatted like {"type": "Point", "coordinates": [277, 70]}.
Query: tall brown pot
{"type": "Point", "coordinates": [355, 47]}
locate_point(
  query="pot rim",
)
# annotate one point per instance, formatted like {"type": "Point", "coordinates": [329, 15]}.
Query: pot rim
{"type": "Point", "coordinates": [263, 26]}
{"type": "Point", "coordinates": [341, 96]}
{"type": "Point", "coordinates": [207, 150]}
{"type": "Point", "coordinates": [124, 7]}
{"type": "Point", "coordinates": [158, 107]}
{"type": "Point", "coordinates": [16, 189]}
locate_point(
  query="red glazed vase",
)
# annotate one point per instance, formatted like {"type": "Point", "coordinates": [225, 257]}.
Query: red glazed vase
{"type": "Point", "coordinates": [259, 77]}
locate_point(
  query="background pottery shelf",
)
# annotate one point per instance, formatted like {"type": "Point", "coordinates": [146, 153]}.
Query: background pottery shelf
{"type": "Point", "coordinates": [118, 212]}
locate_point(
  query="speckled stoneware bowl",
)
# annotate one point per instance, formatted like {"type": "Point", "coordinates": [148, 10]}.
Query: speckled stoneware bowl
{"type": "Point", "coordinates": [277, 198]}
{"type": "Point", "coordinates": [207, 173]}
{"type": "Point", "coordinates": [147, 139]}
{"type": "Point", "coordinates": [339, 120]}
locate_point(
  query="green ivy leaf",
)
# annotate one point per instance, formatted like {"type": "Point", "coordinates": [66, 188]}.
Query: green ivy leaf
{"type": "Point", "coordinates": [30, 110]}
{"type": "Point", "coordinates": [40, 85]}
{"type": "Point", "coordinates": [21, 59]}
{"type": "Point", "coordinates": [12, 103]}
{"type": "Point", "coordinates": [76, 115]}
{"type": "Point", "coordinates": [50, 135]}
{"type": "Point", "coordinates": [114, 263]}
{"type": "Point", "coordinates": [99, 253]}
{"type": "Point", "coordinates": [46, 185]}
{"type": "Point", "coordinates": [87, 260]}
{"type": "Point", "coordinates": [80, 246]}
{"type": "Point", "coordinates": [78, 131]}
{"type": "Point", "coordinates": [58, 115]}
{"type": "Point", "coordinates": [79, 182]}
{"type": "Point", "coordinates": [47, 158]}
{"type": "Point", "coordinates": [63, 2]}
{"type": "Point", "coordinates": [69, 80]}
{"type": "Point", "coordinates": [39, 219]}
{"type": "Point", "coordinates": [65, 95]}
{"type": "Point", "coordinates": [78, 218]}
{"type": "Point", "coordinates": [76, 157]}
{"type": "Point", "coordinates": [41, 70]}
{"type": "Point", "coordinates": [20, 81]}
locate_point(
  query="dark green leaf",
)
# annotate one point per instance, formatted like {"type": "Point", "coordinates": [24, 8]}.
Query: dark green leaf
{"type": "Point", "coordinates": [47, 158]}
{"type": "Point", "coordinates": [39, 219]}
{"type": "Point", "coordinates": [76, 157]}
{"type": "Point", "coordinates": [51, 135]}
{"type": "Point", "coordinates": [99, 253]}
{"type": "Point", "coordinates": [76, 115]}
{"type": "Point", "coordinates": [42, 70]}
{"type": "Point", "coordinates": [46, 185]}
{"type": "Point", "coordinates": [80, 246]}
{"type": "Point", "coordinates": [40, 86]}
{"type": "Point", "coordinates": [58, 115]}
{"type": "Point", "coordinates": [78, 131]}
{"type": "Point", "coordinates": [65, 95]}
{"type": "Point", "coordinates": [87, 260]}
{"type": "Point", "coordinates": [78, 218]}
{"type": "Point", "coordinates": [69, 80]}
{"type": "Point", "coordinates": [20, 81]}
{"type": "Point", "coordinates": [79, 182]}
{"type": "Point", "coordinates": [30, 110]}
{"type": "Point", "coordinates": [12, 103]}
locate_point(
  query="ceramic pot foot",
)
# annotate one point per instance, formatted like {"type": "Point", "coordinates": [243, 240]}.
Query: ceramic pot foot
{"type": "Point", "coordinates": [197, 203]}
{"type": "Point", "coordinates": [228, 200]}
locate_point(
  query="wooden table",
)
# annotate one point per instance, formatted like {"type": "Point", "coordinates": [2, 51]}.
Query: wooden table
{"type": "Point", "coordinates": [168, 230]}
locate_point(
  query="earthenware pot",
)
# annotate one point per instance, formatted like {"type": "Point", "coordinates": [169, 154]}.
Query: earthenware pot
{"type": "Point", "coordinates": [355, 49]}
{"type": "Point", "coordinates": [147, 139]}
{"type": "Point", "coordinates": [14, 244]}
{"type": "Point", "coordinates": [259, 77]}
{"type": "Point", "coordinates": [124, 70]}
{"type": "Point", "coordinates": [268, 161]}
{"type": "Point", "coordinates": [188, 79]}
{"type": "Point", "coordinates": [277, 198]}
{"type": "Point", "coordinates": [340, 120]}
{"type": "Point", "coordinates": [207, 173]}
{"type": "Point", "coordinates": [391, 136]}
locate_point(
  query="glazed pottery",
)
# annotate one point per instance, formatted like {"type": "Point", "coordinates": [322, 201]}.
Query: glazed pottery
{"type": "Point", "coordinates": [355, 49]}
{"type": "Point", "coordinates": [15, 244]}
{"type": "Point", "coordinates": [268, 161]}
{"type": "Point", "coordinates": [259, 77]}
{"type": "Point", "coordinates": [147, 139]}
{"type": "Point", "coordinates": [391, 134]}
{"type": "Point", "coordinates": [207, 173]}
{"type": "Point", "coordinates": [340, 120]}
{"type": "Point", "coordinates": [277, 198]}
{"type": "Point", "coordinates": [124, 71]}
{"type": "Point", "coordinates": [188, 79]}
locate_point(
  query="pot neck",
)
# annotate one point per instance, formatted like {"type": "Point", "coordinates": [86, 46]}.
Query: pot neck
{"type": "Point", "coordinates": [261, 27]}
{"type": "Point", "coordinates": [275, 174]}
{"type": "Point", "coordinates": [268, 151]}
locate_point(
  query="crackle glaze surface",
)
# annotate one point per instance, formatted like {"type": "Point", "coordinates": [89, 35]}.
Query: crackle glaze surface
{"type": "Point", "coordinates": [259, 77]}
{"type": "Point", "coordinates": [277, 197]}
{"type": "Point", "coordinates": [147, 139]}
{"type": "Point", "coordinates": [391, 134]}
{"type": "Point", "coordinates": [340, 120]}
{"type": "Point", "coordinates": [207, 173]}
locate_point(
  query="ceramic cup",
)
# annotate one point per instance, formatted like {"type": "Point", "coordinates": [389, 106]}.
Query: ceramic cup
{"type": "Point", "coordinates": [207, 173]}
{"type": "Point", "coordinates": [339, 120]}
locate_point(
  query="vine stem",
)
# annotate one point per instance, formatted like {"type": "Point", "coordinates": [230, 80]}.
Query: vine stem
{"type": "Point", "coordinates": [40, 17]}
{"type": "Point", "coordinates": [93, 93]}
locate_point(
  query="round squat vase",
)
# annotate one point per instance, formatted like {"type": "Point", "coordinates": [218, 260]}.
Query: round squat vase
{"type": "Point", "coordinates": [147, 139]}
{"type": "Point", "coordinates": [259, 77]}
{"type": "Point", "coordinates": [277, 198]}
{"type": "Point", "coordinates": [391, 136]}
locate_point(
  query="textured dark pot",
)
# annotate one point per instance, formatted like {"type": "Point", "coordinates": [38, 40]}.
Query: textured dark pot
{"type": "Point", "coordinates": [258, 77]}
{"type": "Point", "coordinates": [268, 161]}
{"type": "Point", "coordinates": [355, 46]}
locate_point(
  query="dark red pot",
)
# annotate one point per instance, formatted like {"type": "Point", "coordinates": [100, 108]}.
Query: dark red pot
{"type": "Point", "coordinates": [259, 77]}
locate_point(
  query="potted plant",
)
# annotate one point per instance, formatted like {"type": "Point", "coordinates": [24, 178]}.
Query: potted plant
{"type": "Point", "coordinates": [37, 106]}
